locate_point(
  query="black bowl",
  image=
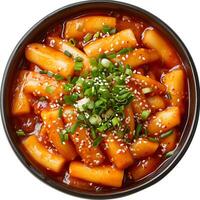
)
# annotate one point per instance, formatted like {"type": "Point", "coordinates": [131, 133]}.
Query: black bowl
{"type": "Point", "coordinates": [67, 12]}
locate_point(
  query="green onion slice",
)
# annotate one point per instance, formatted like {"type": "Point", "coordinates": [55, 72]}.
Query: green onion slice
{"type": "Point", "coordinates": [138, 130]}
{"type": "Point", "coordinates": [145, 114]}
{"type": "Point", "coordinates": [169, 154]}
{"type": "Point", "coordinates": [78, 66]}
{"type": "Point", "coordinates": [87, 37]}
{"type": "Point", "coordinates": [97, 141]}
{"type": "Point", "coordinates": [147, 90]}
{"type": "Point", "coordinates": [20, 132]}
{"type": "Point", "coordinates": [166, 134]}
{"type": "Point", "coordinates": [67, 53]}
{"type": "Point", "coordinates": [60, 112]}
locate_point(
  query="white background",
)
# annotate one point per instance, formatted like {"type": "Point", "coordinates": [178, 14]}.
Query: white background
{"type": "Point", "coordinates": [16, 17]}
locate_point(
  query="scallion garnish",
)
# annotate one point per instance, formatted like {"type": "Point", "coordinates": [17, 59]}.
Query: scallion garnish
{"type": "Point", "coordinates": [74, 127]}
{"type": "Point", "coordinates": [78, 66]}
{"type": "Point", "coordinates": [43, 72]}
{"type": "Point", "coordinates": [102, 127]}
{"type": "Point", "coordinates": [68, 100]}
{"type": "Point", "coordinates": [20, 132]}
{"type": "Point", "coordinates": [166, 134]}
{"type": "Point", "coordinates": [145, 114]}
{"type": "Point", "coordinates": [124, 50]}
{"type": "Point", "coordinates": [93, 133]}
{"type": "Point", "coordinates": [78, 59]}
{"type": "Point", "coordinates": [49, 89]}
{"type": "Point", "coordinates": [93, 62]}
{"type": "Point", "coordinates": [72, 41]}
{"type": "Point", "coordinates": [95, 119]}
{"type": "Point", "coordinates": [60, 112]}
{"type": "Point", "coordinates": [68, 87]}
{"type": "Point", "coordinates": [63, 136]}
{"type": "Point", "coordinates": [115, 121]}
{"type": "Point", "coordinates": [147, 90]}
{"type": "Point", "coordinates": [97, 141]}
{"type": "Point", "coordinates": [67, 53]}
{"type": "Point", "coordinates": [138, 130]}
{"type": "Point", "coordinates": [111, 55]}
{"type": "Point", "coordinates": [153, 139]}
{"type": "Point", "coordinates": [105, 62]}
{"type": "Point", "coordinates": [169, 154]}
{"type": "Point", "coordinates": [58, 77]}
{"type": "Point", "coordinates": [87, 37]}
{"type": "Point", "coordinates": [50, 74]}
{"type": "Point", "coordinates": [96, 35]}
{"type": "Point", "coordinates": [74, 80]}
{"type": "Point", "coordinates": [108, 29]}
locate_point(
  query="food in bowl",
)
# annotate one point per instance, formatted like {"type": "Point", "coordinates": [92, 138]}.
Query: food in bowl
{"type": "Point", "coordinates": [100, 101]}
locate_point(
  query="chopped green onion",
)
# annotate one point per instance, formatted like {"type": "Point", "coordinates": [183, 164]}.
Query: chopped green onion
{"type": "Point", "coordinates": [67, 53]}
{"type": "Point", "coordinates": [95, 119]}
{"type": "Point", "coordinates": [20, 132]}
{"type": "Point", "coordinates": [74, 96]}
{"type": "Point", "coordinates": [60, 112]}
{"type": "Point", "coordinates": [90, 105]}
{"type": "Point", "coordinates": [93, 62]}
{"type": "Point", "coordinates": [96, 35]}
{"type": "Point", "coordinates": [106, 29]}
{"type": "Point", "coordinates": [80, 81]}
{"type": "Point", "coordinates": [72, 41]}
{"type": "Point", "coordinates": [115, 121]}
{"type": "Point", "coordinates": [68, 87]}
{"type": "Point", "coordinates": [105, 62]}
{"type": "Point", "coordinates": [78, 66]}
{"type": "Point", "coordinates": [102, 127]}
{"type": "Point", "coordinates": [113, 31]}
{"type": "Point", "coordinates": [145, 132]}
{"type": "Point", "coordinates": [128, 71]}
{"type": "Point", "coordinates": [68, 100]}
{"type": "Point", "coordinates": [109, 113]}
{"type": "Point", "coordinates": [152, 139]}
{"type": "Point", "coordinates": [75, 79]}
{"type": "Point", "coordinates": [147, 90]}
{"type": "Point", "coordinates": [93, 133]}
{"type": "Point", "coordinates": [97, 141]}
{"type": "Point", "coordinates": [63, 136]}
{"type": "Point", "coordinates": [58, 77]}
{"type": "Point", "coordinates": [74, 127]}
{"type": "Point", "coordinates": [43, 72]}
{"type": "Point", "coordinates": [169, 154]}
{"type": "Point", "coordinates": [50, 74]}
{"type": "Point", "coordinates": [138, 130]}
{"type": "Point", "coordinates": [78, 59]}
{"type": "Point", "coordinates": [87, 37]}
{"type": "Point", "coordinates": [49, 89]}
{"type": "Point", "coordinates": [98, 103]}
{"type": "Point", "coordinates": [111, 55]}
{"type": "Point", "coordinates": [145, 114]}
{"type": "Point", "coordinates": [166, 134]}
{"type": "Point", "coordinates": [81, 117]}
{"type": "Point", "coordinates": [89, 92]}
{"type": "Point", "coordinates": [125, 50]}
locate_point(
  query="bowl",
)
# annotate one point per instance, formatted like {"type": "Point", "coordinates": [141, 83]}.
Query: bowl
{"type": "Point", "coordinates": [34, 34]}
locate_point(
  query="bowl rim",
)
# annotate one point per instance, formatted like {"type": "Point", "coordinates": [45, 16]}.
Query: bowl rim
{"type": "Point", "coordinates": [176, 158]}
